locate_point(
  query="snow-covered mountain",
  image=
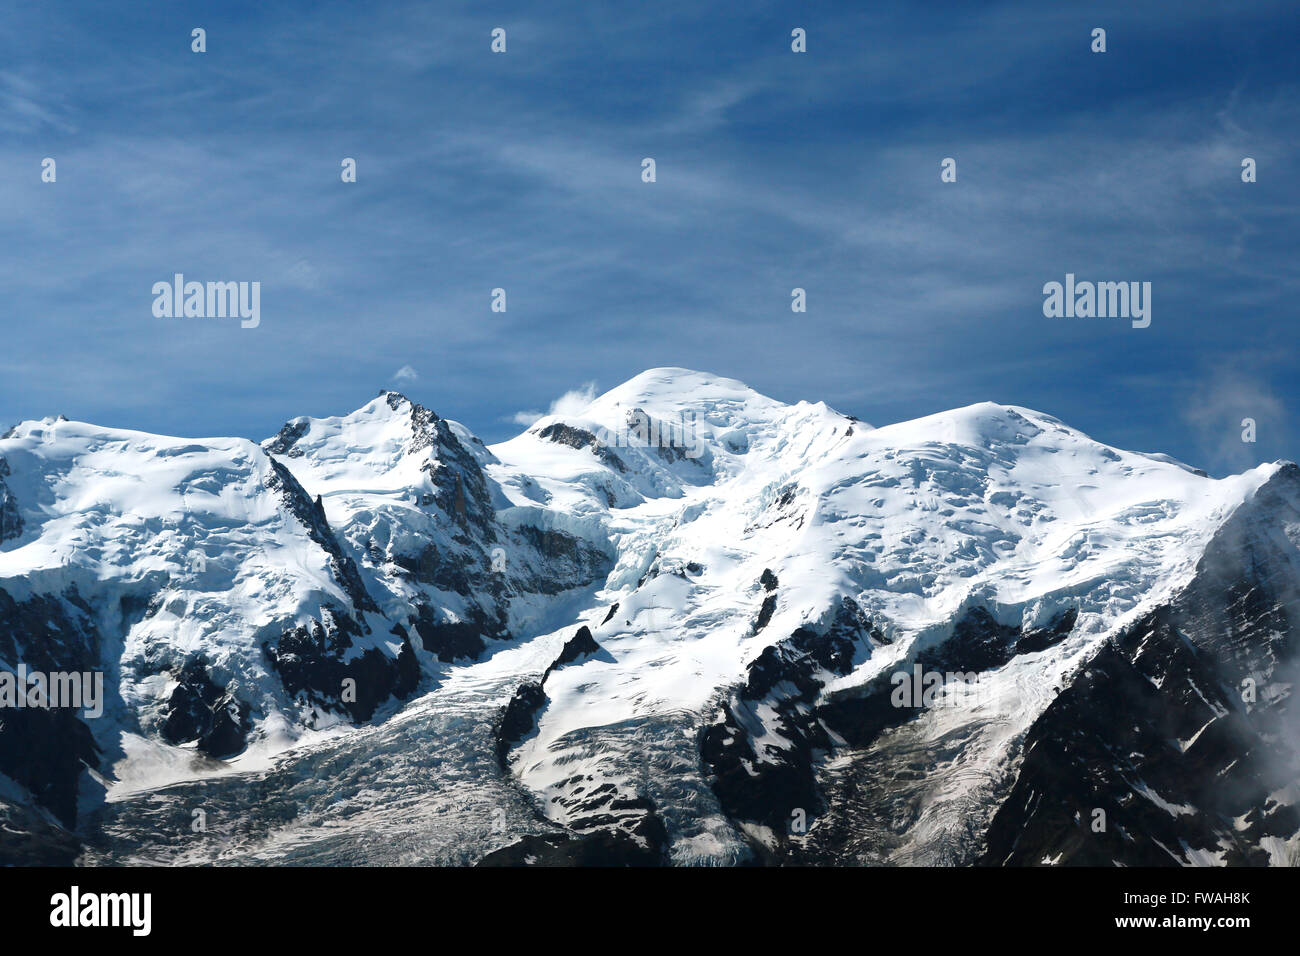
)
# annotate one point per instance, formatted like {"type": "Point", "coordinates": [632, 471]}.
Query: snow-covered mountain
{"type": "Point", "coordinates": [690, 624]}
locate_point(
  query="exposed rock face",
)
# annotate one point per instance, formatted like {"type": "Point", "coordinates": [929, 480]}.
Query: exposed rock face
{"type": "Point", "coordinates": [763, 767]}
{"type": "Point", "coordinates": [577, 648]}
{"type": "Point", "coordinates": [48, 633]}
{"type": "Point", "coordinates": [11, 522]}
{"type": "Point", "coordinates": [312, 516]}
{"type": "Point", "coordinates": [46, 750]}
{"type": "Point", "coordinates": [1175, 745]}
{"type": "Point", "coordinates": [200, 711]}
{"type": "Point", "coordinates": [456, 640]}
{"type": "Point", "coordinates": [287, 438]}
{"type": "Point", "coordinates": [580, 438]}
{"type": "Point", "coordinates": [314, 661]}
{"type": "Point", "coordinates": [520, 716]}
{"type": "Point", "coordinates": [604, 826]}
{"type": "Point", "coordinates": [572, 557]}
{"type": "Point", "coordinates": [979, 643]}
{"type": "Point", "coordinates": [600, 848]}
{"type": "Point", "coordinates": [768, 608]}
{"type": "Point", "coordinates": [30, 837]}
{"type": "Point", "coordinates": [1152, 784]}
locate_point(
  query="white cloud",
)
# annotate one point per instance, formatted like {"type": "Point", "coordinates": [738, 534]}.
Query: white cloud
{"type": "Point", "coordinates": [572, 402]}
{"type": "Point", "coordinates": [1238, 390]}
{"type": "Point", "coordinates": [405, 374]}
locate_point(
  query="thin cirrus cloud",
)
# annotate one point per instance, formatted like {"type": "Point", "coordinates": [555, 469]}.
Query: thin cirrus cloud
{"type": "Point", "coordinates": [522, 171]}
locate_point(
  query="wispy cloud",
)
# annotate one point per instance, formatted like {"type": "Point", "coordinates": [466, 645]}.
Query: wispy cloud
{"type": "Point", "coordinates": [572, 402]}
{"type": "Point", "coordinates": [1235, 407]}
{"type": "Point", "coordinates": [26, 108]}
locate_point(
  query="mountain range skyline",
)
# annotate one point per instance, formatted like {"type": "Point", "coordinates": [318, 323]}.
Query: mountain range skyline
{"type": "Point", "coordinates": [776, 170]}
{"type": "Point", "coordinates": [574, 400]}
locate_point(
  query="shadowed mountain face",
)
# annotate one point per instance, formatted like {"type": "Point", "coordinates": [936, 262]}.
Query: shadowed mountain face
{"type": "Point", "coordinates": [1202, 686]}
{"type": "Point", "coordinates": [687, 625]}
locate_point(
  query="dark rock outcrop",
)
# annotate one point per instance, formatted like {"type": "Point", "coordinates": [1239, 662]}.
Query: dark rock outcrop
{"type": "Point", "coordinates": [29, 838]}
{"type": "Point", "coordinates": [569, 561]}
{"type": "Point", "coordinates": [1144, 760]}
{"type": "Point", "coordinates": [605, 847]}
{"type": "Point", "coordinates": [519, 719]}
{"type": "Point", "coordinates": [579, 647]}
{"type": "Point", "coordinates": [520, 716]}
{"type": "Point", "coordinates": [198, 710]}
{"type": "Point", "coordinates": [312, 515]}
{"type": "Point", "coordinates": [311, 661]}
{"type": "Point", "coordinates": [769, 782]}
{"type": "Point", "coordinates": [580, 438]}
{"type": "Point", "coordinates": [46, 750]}
{"type": "Point", "coordinates": [11, 522]}
{"type": "Point", "coordinates": [286, 440]}
{"type": "Point", "coordinates": [454, 640]}
{"type": "Point", "coordinates": [1170, 746]}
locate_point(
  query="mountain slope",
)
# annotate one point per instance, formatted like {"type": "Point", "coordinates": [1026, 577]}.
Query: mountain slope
{"type": "Point", "coordinates": [692, 610]}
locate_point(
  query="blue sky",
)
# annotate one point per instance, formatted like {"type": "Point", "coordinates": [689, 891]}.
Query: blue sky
{"type": "Point", "coordinates": [775, 170]}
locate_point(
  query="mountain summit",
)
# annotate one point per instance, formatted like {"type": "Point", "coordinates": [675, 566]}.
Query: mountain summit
{"type": "Point", "coordinates": [687, 623]}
